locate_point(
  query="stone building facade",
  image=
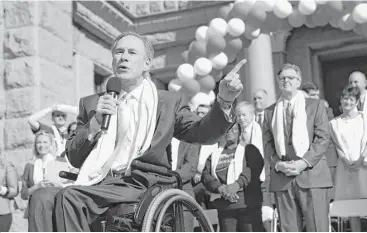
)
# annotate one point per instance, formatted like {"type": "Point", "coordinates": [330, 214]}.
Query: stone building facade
{"type": "Point", "coordinates": [58, 51]}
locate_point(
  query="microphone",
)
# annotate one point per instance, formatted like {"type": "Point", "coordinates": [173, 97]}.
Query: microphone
{"type": "Point", "coordinates": [114, 86]}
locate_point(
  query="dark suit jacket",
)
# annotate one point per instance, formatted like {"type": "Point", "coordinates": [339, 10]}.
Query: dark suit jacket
{"type": "Point", "coordinates": [318, 176]}
{"type": "Point", "coordinates": [253, 164]}
{"type": "Point", "coordinates": [187, 162]}
{"type": "Point", "coordinates": [174, 118]}
{"type": "Point", "coordinates": [27, 180]}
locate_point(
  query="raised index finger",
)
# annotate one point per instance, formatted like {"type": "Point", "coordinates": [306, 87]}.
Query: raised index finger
{"type": "Point", "coordinates": [237, 67]}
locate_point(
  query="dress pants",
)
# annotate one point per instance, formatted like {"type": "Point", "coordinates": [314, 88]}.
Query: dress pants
{"type": "Point", "coordinates": [296, 205]}
{"type": "Point", "coordinates": [76, 207]}
{"type": "Point", "coordinates": [5, 222]}
{"type": "Point", "coordinates": [240, 220]}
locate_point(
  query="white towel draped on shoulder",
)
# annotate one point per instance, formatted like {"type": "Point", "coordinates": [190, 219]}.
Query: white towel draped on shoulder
{"type": "Point", "coordinates": [300, 139]}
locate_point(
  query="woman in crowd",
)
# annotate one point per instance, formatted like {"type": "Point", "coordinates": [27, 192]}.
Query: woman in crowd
{"type": "Point", "coordinates": [59, 127]}
{"type": "Point", "coordinates": [71, 128]}
{"type": "Point", "coordinates": [232, 175]}
{"type": "Point", "coordinates": [8, 190]}
{"type": "Point", "coordinates": [34, 173]}
{"type": "Point", "coordinates": [349, 134]}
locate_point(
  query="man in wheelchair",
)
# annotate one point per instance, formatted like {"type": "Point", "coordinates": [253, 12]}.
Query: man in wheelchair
{"type": "Point", "coordinates": [142, 124]}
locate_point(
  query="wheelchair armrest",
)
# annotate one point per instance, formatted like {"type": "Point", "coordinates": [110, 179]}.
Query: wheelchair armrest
{"type": "Point", "coordinates": [157, 169]}
{"type": "Point", "coordinates": [68, 175]}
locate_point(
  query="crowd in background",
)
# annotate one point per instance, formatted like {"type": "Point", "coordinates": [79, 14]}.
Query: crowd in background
{"type": "Point", "coordinates": [248, 173]}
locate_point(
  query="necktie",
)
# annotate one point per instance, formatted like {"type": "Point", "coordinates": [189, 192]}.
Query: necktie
{"type": "Point", "coordinates": [259, 119]}
{"type": "Point", "coordinates": [288, 120]}
{"type": "Point", "coordinates": [360, 105]}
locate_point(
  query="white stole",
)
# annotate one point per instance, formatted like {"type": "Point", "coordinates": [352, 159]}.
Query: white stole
{"type": "Point", "coordinates": [100, 160]}
{"type": "Point", "coordinates": [39, 166]}
{"type": "Point", "coordinates": [175, 145]}
{"type": "Point", "coordinates": [341, 147]}
{"type": "Point", "coordinates": [300, 139]}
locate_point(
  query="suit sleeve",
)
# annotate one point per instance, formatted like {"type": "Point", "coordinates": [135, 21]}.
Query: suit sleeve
{"type": "Point", "coordinates": [25, 183]}
{"type": "Point", "coordinates": [79, 145]}
{"type": "Point", "coordinates": [269, 146]}
{"type": "Point", "coordinates": [209, 181]}
{"type": "Point", "coordinates": [321, 138]}
{"type": "Point", "coordinates": [252, 166]}
{"type": "Point", "coordinates": [190, 161]}
{"type": "Point", "coordinates": [206, 131]}
{"type": "Point", "coordinates": [11, 181]}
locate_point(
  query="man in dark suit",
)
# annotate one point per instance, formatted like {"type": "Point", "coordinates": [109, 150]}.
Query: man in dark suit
{"type": "Point", "coordinates": [296, 140]}
{"type": "Point", "coordinates": [76, 207]}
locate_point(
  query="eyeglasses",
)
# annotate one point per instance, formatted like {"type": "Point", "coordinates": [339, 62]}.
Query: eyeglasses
{"type": "Point", "coordinates": [290, 78]}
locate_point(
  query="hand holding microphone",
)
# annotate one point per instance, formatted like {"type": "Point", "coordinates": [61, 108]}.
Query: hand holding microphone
{"type": "Point", "coordinates": [107, 103]}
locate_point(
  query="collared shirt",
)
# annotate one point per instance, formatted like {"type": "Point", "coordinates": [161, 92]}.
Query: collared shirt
{"type": "Point", "coordinates": [260, 117]}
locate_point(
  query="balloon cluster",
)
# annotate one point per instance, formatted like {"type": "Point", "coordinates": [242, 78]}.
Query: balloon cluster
{"type": "Point", "coordinates": [217, 45]}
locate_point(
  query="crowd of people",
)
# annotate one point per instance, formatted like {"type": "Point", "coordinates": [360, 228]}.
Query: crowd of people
{"type": "Point", "coordinates": [245, 159]}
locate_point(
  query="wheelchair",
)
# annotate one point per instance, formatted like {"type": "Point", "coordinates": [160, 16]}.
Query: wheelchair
{"type": "Point", "coordinates": [160, 209]}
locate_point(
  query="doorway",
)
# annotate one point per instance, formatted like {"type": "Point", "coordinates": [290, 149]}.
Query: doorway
{"type": "Point", "coordinates": [335, 74]}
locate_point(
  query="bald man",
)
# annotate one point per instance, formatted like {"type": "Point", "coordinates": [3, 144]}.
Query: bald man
{"type": "Point", "coordinates": [358, 79]}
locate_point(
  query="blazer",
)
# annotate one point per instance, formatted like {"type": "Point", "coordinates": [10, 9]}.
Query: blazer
{"type": "Point", "coordinates": [174, 118]}
{"type": "Point", "coordinates": [9, 179]}
{"type": "Point", "coordinates": [317, 176]}
{"type": "Point", "coordinates": [253, 164]}
{"type": "Point", "coordinates": [27, 180]}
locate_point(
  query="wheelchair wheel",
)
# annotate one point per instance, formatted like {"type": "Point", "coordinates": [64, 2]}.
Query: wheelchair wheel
{"type": "Point", "coordinates": [163, 201]}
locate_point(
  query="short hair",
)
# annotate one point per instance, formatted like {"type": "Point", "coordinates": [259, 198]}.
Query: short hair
{"type": "Point", "coordinates": [245, 104]}
{"type": "Point", "coordinates": [308, 86]}
{"type": "Point", "coordinates": [350, 91]}
{"type": "Point", "coordinates": [149, 50]}
{"type": "Point", "coordinates": [290, 66]}
{"type": "Point", "coordinates": [70, 125]}
{"type": "Point", "coordinates": [262, 90]}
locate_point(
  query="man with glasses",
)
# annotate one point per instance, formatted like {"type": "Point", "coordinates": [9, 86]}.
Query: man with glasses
{"type": "Point", "coordinates": [296, 140]}
{"type": "Point", "coordinates": [59, 127]}
{"type": "Point", "coordinates": [358, 79]}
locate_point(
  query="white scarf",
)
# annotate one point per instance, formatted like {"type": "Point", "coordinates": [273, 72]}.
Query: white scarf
{"type": "Point", "coordinates": [39, 166]}
{"type": "Point", "coordinates": [60, 142]}
{"type": "Point", "coordinates": [236, 166]}
{"type": "Point", "coordinates": [365, 104]}
{"type": "Point", "coordinates": [205, 152]}
{"type": "Point", "coordinates": [100, 160]}
{"type": "Point", "coordinates": [341, 147]}
{"type": "Point", "coordinates": [300, 139]}
{"type": "Point", "coordinates": [175, 144]}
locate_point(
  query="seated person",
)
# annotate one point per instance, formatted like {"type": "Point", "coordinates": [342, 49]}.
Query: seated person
{"type": "Point", "coordinates": [232, 174]}
{"type": "Point", "coordinates": [149, 118]}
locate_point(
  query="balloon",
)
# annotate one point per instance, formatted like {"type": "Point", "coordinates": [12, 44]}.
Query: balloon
{"type": "Point", "coordinates": [215, 44]}
{"type": "Point", "coordinates": [231, 58]}
{"type": "Point", "coordinates": [235, 27]}
{"type": "Point", "coordinates": [283, 9]}
{"type": "Point", "coordinates": [256, 17]}
{"type": "Point", "coordinates": [248, 3]}
{"type": "Point", "coordinates": [218, 26]}
{"type": "Point", "coordinates": [200, 33]}
{"type": "Point", "coordinates": [185, 56]}
{"type": "Point", "coordinates": [223, 11]}
{"type": "Point", "coordinates": [360, 13]}
{"type": "Point", "coordinates": [175, 85]}
{"type": "Point", "coordinates": [219, 61]}
{"type": "Point", "coordinates": [296, 19]}
{"type": "Point", "coordinates": [358, 29]}
{"type": "Point", "coordinates": [185, 72]}
{"type": "Point", "coordinates": [191, 87]}
{"type": "Point", "coordinates": [320, 17]}
{"type": "Point", "coordinates": [198, 49]}
{"type": "Point", "coordinates": [234, 45]}
{"type": "Point", "coordinates": [203, 66]}
{"type": "Point", "coordinates": [200, 98]}
{"type": "Point", "coordinates": [334, 22]}
{"type": "Point", "coordinates": [347, 23]}
{"type": "Point", "coordinates": [266, 5]}
{"type": "Point", "coordinates": [217, 75]}
{"type": "Point", "coordinates": [239, 10]}
{"type": "Point", "coordinates": [212, 97]}
{"type": "Point", "coordinates": [335, 8]}
{"type": "Point", "coordinates": [309, 23]}
{"type": "Point", "coordinates": [206, 82]}
{"type": "Point", "coordinates": [349, 5]}
{"type": "Point", "coordinates": [251, 32]}
{"type": "Point", "coordinates": [307, 7]}
{"type": "Point", "coordinates": [285, 26]}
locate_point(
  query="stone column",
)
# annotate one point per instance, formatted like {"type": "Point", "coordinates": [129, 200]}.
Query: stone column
{"type": "Point", "coordinates": [279, 40]}
{"type": "Point", "coordinates": [258, 72]}
{"type": "Point", "coordinates": [37, 51]}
